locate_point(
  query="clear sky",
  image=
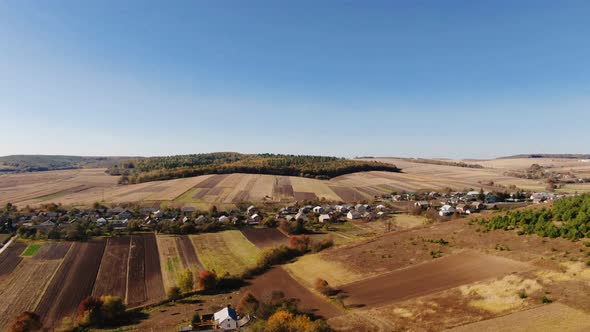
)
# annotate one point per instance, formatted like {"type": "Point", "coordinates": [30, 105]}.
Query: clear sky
{"type": "Point", "coordinates": [347, 78]}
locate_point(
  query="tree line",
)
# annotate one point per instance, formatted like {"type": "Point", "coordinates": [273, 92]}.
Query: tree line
{"type": "Point", "coordinates": [568, 218]}
{"type": "Point", "coordinates": [173, 167]}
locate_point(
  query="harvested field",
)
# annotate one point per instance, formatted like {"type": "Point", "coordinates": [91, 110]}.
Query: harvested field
{"type": "Point", "coordinates": [552, 317]}
{"type": "Point", "coordinates": [187, 253]}
{"type": "Point", "coordinates": [22, 290]}
{"type": "Point", "coordinates": [153, 273]}
{"type": "Point", "coordinates": [212, 181]}
{"type": "Point", "coordinates": [305, 196]}
{"type": "Point", "coordinates": [225, 252]}
{"type": "Point", "coordinates": [112, 275]}
{"type": "Point", "coordinates": [265, 237]}
{"type": "Point", "coordinates": [53, 250]}
{"type": "Point", "coordinates": [308, 268]}
{"type": "Point", "coordinates": [171, 264]}
{"type": "Point", "coordinates": [442, 273]}
{"type": "Point", "coordinates": [277, 279]}
{"type": "Point", "coordinates": [73, 282]}
{"type": "Point", "coordinates": [348, 194]}
{"type": "Point", "coordinates": [10, 258]}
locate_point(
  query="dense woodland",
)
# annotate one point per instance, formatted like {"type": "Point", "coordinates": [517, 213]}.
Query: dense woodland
{"type": "Point", "coordinates": [172, 167]}
{"type": "Point", "coordinates": [38, 163]}
{"type": "Point", "coordinates": [568, 218]}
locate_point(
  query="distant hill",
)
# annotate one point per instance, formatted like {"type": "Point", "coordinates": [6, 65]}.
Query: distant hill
{"type": "Point", "coordinates": [173, 167]}
{"type": "Point", "coordinates": [36, 163]}
{"type": "Point", "coordinates": [549, 155]}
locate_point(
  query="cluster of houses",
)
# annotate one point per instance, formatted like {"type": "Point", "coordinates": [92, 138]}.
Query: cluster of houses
{"type": "Point", "coordinates": [448, 204]}
{"type": "Point", "coordinates": [331, 213]}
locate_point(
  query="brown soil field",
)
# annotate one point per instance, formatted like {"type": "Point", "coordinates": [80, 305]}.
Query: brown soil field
{"type": "Point", "coordinates": [442, 273]}
{"type": "Point", "coordinates": [348, 194]}
{"type": "Point", "coordinates": [73, 282]}
{"type": "Point", "coordinates": [277, 279]}
{"type": "Point", "coordinates": [10, 258]}
{"type": "Point", "coordinates": [153, 273]}
{"type": "Point", "coordinates": [552, 317]}
{"type": "Point", "coordinates": [112, 275]}
{"type": "Point", "coordinates": [22, 290]}
{"type": "Point", "coordinates": [265, 237]}
{"type": "Point", "coordinates": [136, 289]}
{"type": "Point", "coordinates": [187, 253]}
{"type": "Point", "coordinates": [305, 196]}
{"type": "Point", "coordinates": [53, 250]}
{"type": "Point", "coordinates": [212, 181]}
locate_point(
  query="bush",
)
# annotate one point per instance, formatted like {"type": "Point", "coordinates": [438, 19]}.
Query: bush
{"type": "Point", "coordinates": [323, 287]}
{"type": "Point", "coordinates": [546, 300]}
{"type": "Point", "coordinates": [323, 244]}
{"type": "Point", "coordinates": [25, 322]}
{"type": "Point", "coordinates": [248, 303]}
{"type": "Point", "coordinates": [174, 293]}
{"type": "Point", "coordinates": [106, 310]}
{"type": "Point", "coordinates": [300, 243]}
{"type": "Point", "coordinates": [207, 280]}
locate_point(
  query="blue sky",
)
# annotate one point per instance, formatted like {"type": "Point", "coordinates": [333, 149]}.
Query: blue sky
{"type": "Point", "coordinates": [458, 79]}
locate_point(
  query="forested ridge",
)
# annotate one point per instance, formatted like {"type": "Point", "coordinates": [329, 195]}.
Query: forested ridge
{"type": "Point", "coordinates": [568, 218]}
{"type": "Point", "coordinates": [172, 167]}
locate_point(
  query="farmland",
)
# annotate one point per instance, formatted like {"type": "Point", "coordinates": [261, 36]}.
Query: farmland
{"type": "Point", "coordinates": [225, 252]}
{"type": "Point", "coordinates": [73, 282]}
{"type": "Point", "coordinates": [265, 237]}
{"type": "Point", "coordinates": [86, 186]}
{"type": "Point", "coordinates": [112, 274]}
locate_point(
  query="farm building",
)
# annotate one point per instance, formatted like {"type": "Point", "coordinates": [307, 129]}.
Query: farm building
{"type": "Point", "coordinates": [251, 210]}
{"type": "Point", "coordinates": [422, 204]}
{"type": "Point", "coordinates": [324, 218]}
{"type": "Point", "coordinates": [226, 319]}
{"type": "Point", "coordinates": [224, 219]}
{"type": "Point", "coordinates": [318, 209]}
{"type": "Point", "coordinates": [353, 215]}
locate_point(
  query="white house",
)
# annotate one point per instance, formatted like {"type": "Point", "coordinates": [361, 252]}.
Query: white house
{"type": "Point", "coordinates": [226, 319]}
{"type": "Point", "coordinates": [318, 209]}
{"type": "Point", "coordinates": [353, 215]}
{"type": "Point", "coordinates": [223, 219]}
{"type": "Point", "coordinates": [251, 210]}
{"type": "Point", "coordinates": [158, 214]}
{"type": "Point", "coordinates": [101, 221]}
{"type": "Point", "coordinates": [324, 218]}
{"type": "Point", "coordinates": [380, 207]}
{"type": "Point", "coordinates": [446, 210]}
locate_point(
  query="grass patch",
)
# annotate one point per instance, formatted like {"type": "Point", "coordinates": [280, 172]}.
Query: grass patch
{"type": "Point", "coordinates": [227, 252]}
{"type": "Point", "coordinates": [310, 267]}
{"type": "Point", "coordinates": [172, 264]}
{"type": "Point", "coordinates": [31, 250]}
{"type": "Point", "coordinates": [51, 196]}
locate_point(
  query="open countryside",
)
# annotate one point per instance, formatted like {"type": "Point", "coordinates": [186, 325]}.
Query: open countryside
{"type": "Point", "coordinates": [295, 166]}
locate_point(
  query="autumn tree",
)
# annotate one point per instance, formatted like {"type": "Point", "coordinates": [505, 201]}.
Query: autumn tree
{"type": "Point", "coordinates": [207, 280]}
{"type": "Point", "coordinates": [248, 303]}
{"type": "Point", "coordinates": [89, 311]}
{"type": "Point", "coordinates": [186, 281]}
{"type": "Point", "coordinates": [301, 243]}
{"type": "Point", "coordinates": [25, 322]}
{"type": "Point", "coordinates": [112, 309]}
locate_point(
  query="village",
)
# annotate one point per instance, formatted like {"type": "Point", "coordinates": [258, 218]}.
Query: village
{"type": "Point", "coordinates": [50, 219]}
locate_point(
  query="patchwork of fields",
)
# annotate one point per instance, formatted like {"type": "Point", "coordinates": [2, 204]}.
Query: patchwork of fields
{"type": "Point", "coordinates": [86, 186]}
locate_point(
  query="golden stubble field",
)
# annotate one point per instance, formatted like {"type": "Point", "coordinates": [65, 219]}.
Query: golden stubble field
{"type": "Point", "coordinates": [86, 186]}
